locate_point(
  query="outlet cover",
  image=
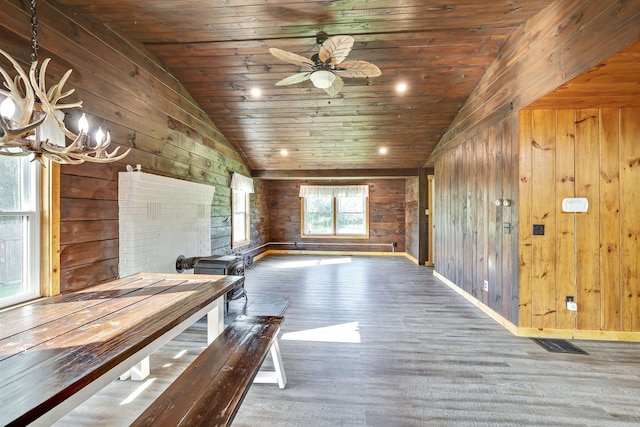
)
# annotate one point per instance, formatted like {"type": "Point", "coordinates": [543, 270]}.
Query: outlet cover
{"type": "Point", "coordinates": [538, 229]}
{"type": "Point", "coordinates": [485, 286]}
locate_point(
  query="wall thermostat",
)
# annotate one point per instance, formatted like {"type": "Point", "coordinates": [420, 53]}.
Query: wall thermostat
{"type": "Point", "coordinates": [575, 204]}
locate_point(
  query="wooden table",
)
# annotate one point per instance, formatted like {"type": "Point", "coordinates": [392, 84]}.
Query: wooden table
{"type": "Point", "coordinates": [58, 352]}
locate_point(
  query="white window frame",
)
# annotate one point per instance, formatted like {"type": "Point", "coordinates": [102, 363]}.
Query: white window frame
{"type": "Point", "coordinates": [242, 215]}
{"type": "Point", "coordinates": [31, 213]}
{"type": "Point", "coordinates": [335, 192]}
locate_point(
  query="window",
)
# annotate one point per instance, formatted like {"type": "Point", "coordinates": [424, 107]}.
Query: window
{"type": "Point", "coordinates": [241, 187]}
{"type": "Point", "coordinates": [241, 217]}
{"type": "Point", "coordinates": [19, 230]}
{"type": "Point", "coordinates": [340, 211]}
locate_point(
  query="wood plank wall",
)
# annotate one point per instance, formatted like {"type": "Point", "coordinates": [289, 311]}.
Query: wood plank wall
{"type": "Point", "coordinates": [124, 90]}
{"type": "Point", "coordinates": [386, 216]}
{"type": "Point", "coordinates": [591, 153]}
{"type": "Point", "coordinates": [472, 244]}
{"type": "Point", "coordinates": [412, 227]}
{"type": "Point", "coordinates": [563, 41]}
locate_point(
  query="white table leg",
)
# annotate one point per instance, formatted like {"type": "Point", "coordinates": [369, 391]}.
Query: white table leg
{"type": "Point", "coordinates": [215, 321]}
{"type": "Point", "coordinates": [138, 372]}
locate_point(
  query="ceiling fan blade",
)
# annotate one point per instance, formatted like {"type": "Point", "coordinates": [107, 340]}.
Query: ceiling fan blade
{"type": "Point", "coordinates": [358, 69]}
{"type": "Point", "coordinates": [291, 58]}
{"type": "Point", "coordinates": [336, 87]}
{"type": "Point", "coordinates": [336, 49]}
{"type": "Point", "coordinates": [296, 78]}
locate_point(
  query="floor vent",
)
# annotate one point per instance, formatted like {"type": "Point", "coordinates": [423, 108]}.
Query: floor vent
{"type": "Point", "coordinates": [558, 346]}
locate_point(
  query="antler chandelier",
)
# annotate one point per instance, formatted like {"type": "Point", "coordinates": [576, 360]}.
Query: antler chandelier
{"type": "Point", "coordinates": [31, 116]}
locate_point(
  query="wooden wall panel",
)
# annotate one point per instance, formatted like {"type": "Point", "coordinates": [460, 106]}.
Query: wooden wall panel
{"type": "Point", "coordinates": [126, 91]}
{"type": "Point", "coordinates": [525, 258]}
{"type": "Point", "coordinates": [386, 217]}
{"type": "Point", "coordinates": [587, 161]}
{"type": "Point", "coordinates": [610, 219]}
{"type": "Point", "coordinates": [543, 145]}
{"type": "Point", "coordinates": [595, 155]}
{"type": "Point", "coordinates": [412, 227]}
{"type": "Point", "coordinates": [630, 218]}
{"type": "Point", "coordinates": [565, 187]}
{"type": "Point", "coordinates": [469, 179]}
{"type": "Point", "coordinates": [563, 41]}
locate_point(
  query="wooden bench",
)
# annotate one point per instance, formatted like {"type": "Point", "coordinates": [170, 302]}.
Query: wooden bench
{"type": "Point", "coordinates": [210, 390]}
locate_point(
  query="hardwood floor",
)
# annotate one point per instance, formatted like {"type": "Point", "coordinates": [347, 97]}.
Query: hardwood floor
{"type": "Point", "coordinates": [378, 341]}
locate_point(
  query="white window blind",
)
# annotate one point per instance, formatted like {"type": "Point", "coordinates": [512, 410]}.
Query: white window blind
{"type": "Point", "coordinates": [241, 183]}
{"type": "Point", "coordinates": [334, 191]}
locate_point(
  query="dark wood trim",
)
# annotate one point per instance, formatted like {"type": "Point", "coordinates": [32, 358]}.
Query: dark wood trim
{"type": "Point", "coordinates": [422, 217]}
{"type": "Point", "coordinates": [336, 173]}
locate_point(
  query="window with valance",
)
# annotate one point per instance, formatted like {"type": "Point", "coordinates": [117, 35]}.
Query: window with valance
{"type": "Point", "coordinates": [241, 187]}
{"type": "Point", "coordinates": [335, 210]}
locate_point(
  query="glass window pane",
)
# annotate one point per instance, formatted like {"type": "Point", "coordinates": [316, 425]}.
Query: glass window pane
{"type": "Point", "coordinates": [351, 204]}
{"type": "Point", "coordinates": [10, 180]}
{"type": "Point", "coordinates": [319, 204]}
{"type": "Point", "coordinates": [19, 235]}
{"type": "Point", "coordinates": [318, 215]}
{"type": "Point", "coordinates": [239, 227]}
{"type": "Point", "coordinates": [13, 246]}
{"type": "Point", "coordinates": [351, 224]}
{"type": "Point", "coordinates": [239, 201]}
{"type": "Point", "coordinates": [318, 224]}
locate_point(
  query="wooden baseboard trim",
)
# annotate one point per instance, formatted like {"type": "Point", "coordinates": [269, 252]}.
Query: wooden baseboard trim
{"type": "Point", "coordinates": [487, 310]}
{"type": "Point", "coordinates": [572, 334]}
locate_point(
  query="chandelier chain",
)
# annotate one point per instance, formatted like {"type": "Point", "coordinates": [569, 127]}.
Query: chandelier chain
{"type": "Point", "coordinates": [34, 32]}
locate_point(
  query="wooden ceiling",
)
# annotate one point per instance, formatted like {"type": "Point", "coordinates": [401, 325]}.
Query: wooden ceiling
{"type": "Point", "coordinates": [219, 50]}
{"type": "Point", "coordinates": [613, 83]}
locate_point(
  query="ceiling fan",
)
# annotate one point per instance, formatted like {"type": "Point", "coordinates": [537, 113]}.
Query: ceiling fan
{"type": "Point", "coordinates": [326, 68]}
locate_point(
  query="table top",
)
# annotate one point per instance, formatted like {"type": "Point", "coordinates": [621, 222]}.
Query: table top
{"type": "Point", "coordinates": [52, 349]}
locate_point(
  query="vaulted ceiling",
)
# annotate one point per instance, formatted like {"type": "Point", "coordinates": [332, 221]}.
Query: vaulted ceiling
{"type": "Point", "coordinates": [219, 50]}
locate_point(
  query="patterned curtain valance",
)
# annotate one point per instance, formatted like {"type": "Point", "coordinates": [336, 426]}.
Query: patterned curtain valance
{"type": "Point", "coordinates": [334, 191]}
{"type": "Point", "coordinates": [242, 183]}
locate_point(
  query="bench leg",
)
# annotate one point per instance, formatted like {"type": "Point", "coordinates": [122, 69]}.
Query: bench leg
{"type": "Point", "coordinates": [138, 372]}
{"type": "Point", "coordinates": [277, 376]}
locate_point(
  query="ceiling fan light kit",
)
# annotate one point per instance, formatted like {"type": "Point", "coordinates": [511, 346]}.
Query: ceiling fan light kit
{"type": "Point", "coordinates": [326, 68]}
{"type": "Point", "coordinates": [322, 79]}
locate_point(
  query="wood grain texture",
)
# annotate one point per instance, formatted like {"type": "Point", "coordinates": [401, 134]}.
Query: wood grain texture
{"type": "Point", "coordinates": [610, 219]}
{"type": "Point", "coordinates": [57, 347]}
{"type": "Point", "coordinates": [593, 158]}
{"type": "Point", "coordinates": [474, 247]}
{"type": "Point", "coordinates": [565, 186]}
{"type": "Point", "coordinates": [372, 341]}
{"type": "Point", "coordinates": [630, 217]}
{"type": "Point", "coordinates": [587, 161]}
{"type": "Point", "coordinates": [210, 391]}
{"type": "Point", "coordinates": [525, 246]}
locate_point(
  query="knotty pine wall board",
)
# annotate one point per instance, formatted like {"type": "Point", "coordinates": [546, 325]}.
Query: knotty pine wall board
{"type": "Point", "coordinates": [588, 153]}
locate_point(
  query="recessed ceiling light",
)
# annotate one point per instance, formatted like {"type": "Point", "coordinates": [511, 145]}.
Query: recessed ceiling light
{"type": "Point", "coordinates": [401, 87]}
{"type": "Point", "coordinates": [383, 150]}
{"type": "Point", "coordinates": [284, 152]}
{"type": "Point", "coordinates": [256, 92]}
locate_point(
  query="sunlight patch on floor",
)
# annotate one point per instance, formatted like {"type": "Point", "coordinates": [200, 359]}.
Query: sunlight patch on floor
{"type": "Point", "coordinates": [345, 333]}
{"type": "Point", "coordinates": [137, 391]}
{"type": "Point", "coordinates": [314, 262]}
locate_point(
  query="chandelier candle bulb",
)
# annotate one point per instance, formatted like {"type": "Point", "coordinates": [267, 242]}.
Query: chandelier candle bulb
{"type": "Point", "coordinates": [83, 124]}
{"type": "Point", "coordinates": [99, 136]}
